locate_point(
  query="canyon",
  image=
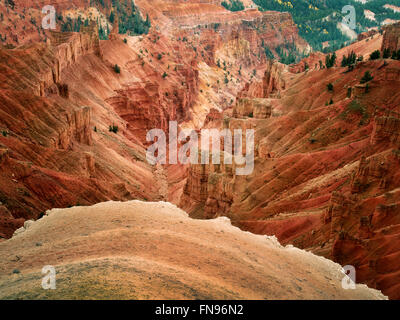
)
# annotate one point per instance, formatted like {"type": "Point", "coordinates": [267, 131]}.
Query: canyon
{"type": "Point", "coordinates": [327, 162]}
{"type": "Point", "coordinates": [326, 174]}
{"type": "Point", "coordinates": [57, 107]}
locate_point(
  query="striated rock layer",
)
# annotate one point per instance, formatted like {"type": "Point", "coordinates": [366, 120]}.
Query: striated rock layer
{"type": "Point", "coordinates": [326, 175]}
{"type": "Point", "coordinates": [57, 150]}
{"type": "Point", "coordinates": [73, 130]}
{"type": "Point", "coordinates": [75, 112]}
{"type": "Point", "coordinates": [391, 38]}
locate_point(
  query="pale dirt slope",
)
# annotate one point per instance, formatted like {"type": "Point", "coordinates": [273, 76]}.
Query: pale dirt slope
{"type": "Point", "coordinates": [137, 250]}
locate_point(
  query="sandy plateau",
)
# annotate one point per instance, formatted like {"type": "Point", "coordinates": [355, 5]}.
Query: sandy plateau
{"type": "Point", "coordinates": [139, 250]}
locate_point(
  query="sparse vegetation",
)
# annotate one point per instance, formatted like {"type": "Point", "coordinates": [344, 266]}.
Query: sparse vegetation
{"type": "Point", "coordinates": [330, 60]}
{"type": "Point", "coordinates": [226, 80]}
{"type": "Point", "coordinates": [289, 53]}
{"type": "Point", "coordinates": [386, 53]}
{"type": "Point", "coordinates": [396, 152]}
{"type": "Point", "coordinates": [330, 87]}
{"type": "Point", "coordinates": [375, 55]}
{"type": "Point", "coordinates": [317, 20]}
{"type": "Point", "coordinates": [396, 55]}
{"type": "Point", "coordinates": [355, 107]}
{"type": "Point", "coordinates": [349, 60]}
{"type": "Point", "coordinates": [367, 77]}
{"type": "Point", "coordinates": [113, 128]}
{"type": "Point", "coordinates": [117, 69]}
{"type": "Point", "coordinates": [268, 53]}
{"type": "Point", "coordinates": [233, 5]}
{"type": "Point", "coordinates": [130, 19]}
{"type": "Point", "coordinates": [349, 92]}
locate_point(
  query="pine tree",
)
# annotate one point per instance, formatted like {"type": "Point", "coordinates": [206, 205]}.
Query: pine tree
{"type": "Point", "coordinates": [367, 77]}
{"type": "Point", "coordinates": [330, 60]}
{"type": "Point", "coordinates": [386, 53]}
{"type": "Point", "coordinates": [375, 55]}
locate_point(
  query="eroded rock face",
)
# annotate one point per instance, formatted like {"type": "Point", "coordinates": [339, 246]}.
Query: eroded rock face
{"type": "Point", "coordinates": [78, 128]}
{"type": "Point", "coordinates": [56, 147]}
{"type": "Point", "coordinates": [212, 188]}
{"type": "Point", "coordinates": [326, 176]}
{"type": "Point", "coordinates": [360, 221]}
{"type": "Point", "coordinates": [62, 99]}
{"type": "Point", "coordinates": [145, 105]}
{"type": "Point", "coordinates": [209, 188]}
{"type": "Point", "coordinates": [314, 61]}
{"type": "Point", "coordinates": [219, 30]}
{"type": "Point", "coordinates": [391, 37]}
{"type": "Point", "coordinates": [387, 129]}
{"type": "Point", "coordinates": [259, 108]}
{"type": "Point", "coordinates": [311, 185]}
{"type": "Point", "coordinates": [273, 82]}
{"type": "Point", "coordinates": [368, 34]}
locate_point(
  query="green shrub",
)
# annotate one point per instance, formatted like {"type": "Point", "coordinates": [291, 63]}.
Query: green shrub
{"type": "Point", "coordinates": [348, 92]}
{"type": "Point", "coordinates": [113, 128]}
{"type": "Point", "coordinates": [396, 55]}
{"type": "Point", "coordinates": [130, 18]}
{"type": "Point", "coordinates": [349, 60]}
{"type": "Point", "coordinates": [117, 69]}
{"type": "Point", "coordinates": [233, 5]}
{"type": "Point", "coordinates": [355, 107]}
{"type": "Point", "coordinates": [367, 77]}
{"type": "Point", "coordinates": [330, 60]}
{"type": "Point", "coordinates": [375, 55]}
{"type": "Point", "coordinates": [386, 53]}
{"type": "Point", "coordinates": [226, 80]}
